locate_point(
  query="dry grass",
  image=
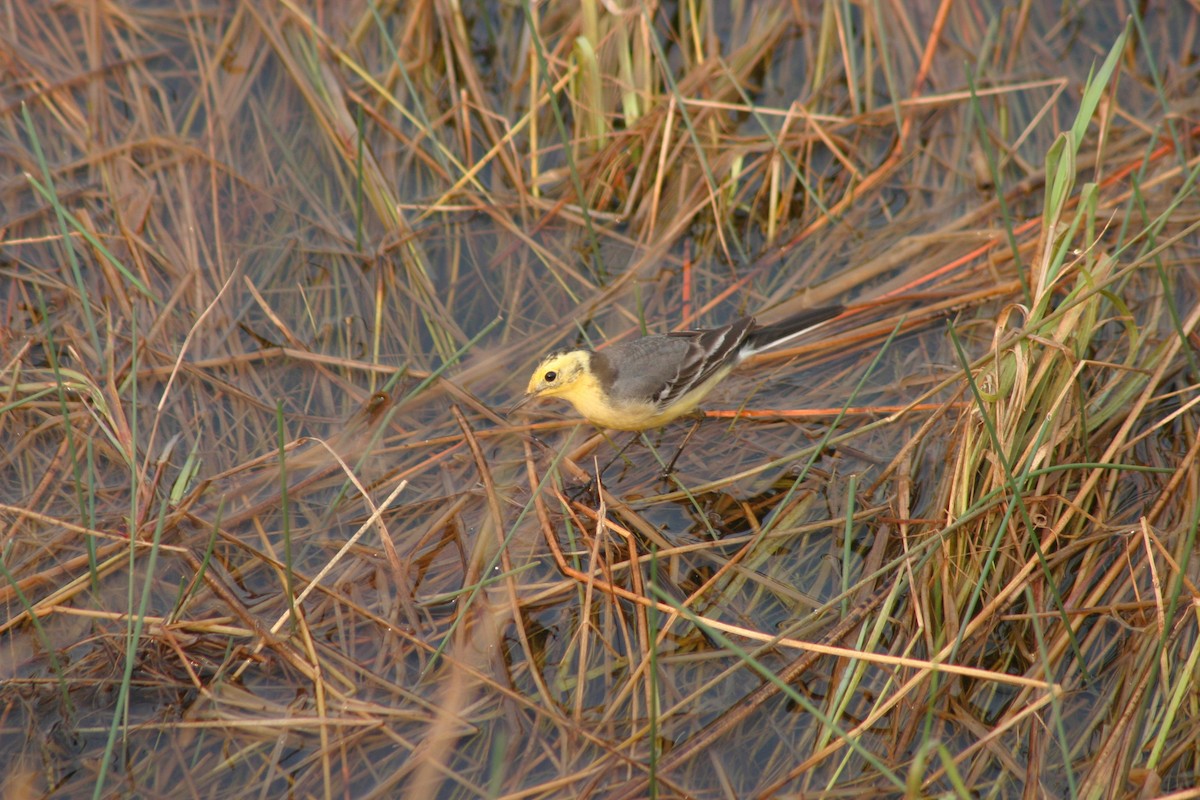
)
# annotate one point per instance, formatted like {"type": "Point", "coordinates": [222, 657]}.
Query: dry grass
{"type": "Point", "coordinates": [269, 271]}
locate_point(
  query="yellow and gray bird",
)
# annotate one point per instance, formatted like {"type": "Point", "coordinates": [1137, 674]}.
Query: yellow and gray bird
{"type": "Point", "coordinates": [650, 381]}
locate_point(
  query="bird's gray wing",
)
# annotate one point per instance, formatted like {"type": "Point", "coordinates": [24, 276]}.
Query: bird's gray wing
{"type": "Point", "coordinates": [707, 352]}
{"type": "Point", "coordinates": [635, 372]}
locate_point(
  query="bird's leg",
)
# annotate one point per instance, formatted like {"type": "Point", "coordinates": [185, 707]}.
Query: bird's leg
{"type": "Point", "coordinates": [620, 453]}
{"type": "Point", "coordinates": [671, 465]}
{"type": "Point", "coordinates": [591, 486]}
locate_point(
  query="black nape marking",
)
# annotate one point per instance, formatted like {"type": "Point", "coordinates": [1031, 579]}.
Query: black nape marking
{"type": "Point", "coordinates": [603, 368]}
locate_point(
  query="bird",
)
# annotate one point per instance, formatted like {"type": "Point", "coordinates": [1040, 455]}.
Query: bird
{"type": "Point", "coordinates": [647, 382]}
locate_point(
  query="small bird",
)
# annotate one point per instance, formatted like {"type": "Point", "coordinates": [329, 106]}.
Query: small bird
{"type": "Point", "coordinates": [650, 381]}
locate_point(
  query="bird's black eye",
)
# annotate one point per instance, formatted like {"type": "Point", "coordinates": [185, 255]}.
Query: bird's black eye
{"type": "Point", "coordinates": [551, 376]}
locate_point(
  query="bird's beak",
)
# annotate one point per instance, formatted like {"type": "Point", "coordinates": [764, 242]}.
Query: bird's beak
{"type": "Point", "coordinates": [520, 402]}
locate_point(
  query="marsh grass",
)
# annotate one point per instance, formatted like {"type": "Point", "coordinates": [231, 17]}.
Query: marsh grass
{"type": "Point", "coordinates": [271, 271]}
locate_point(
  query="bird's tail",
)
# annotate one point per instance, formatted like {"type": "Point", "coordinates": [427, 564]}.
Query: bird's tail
{"type": "Point", "coordinates": [784, 331]}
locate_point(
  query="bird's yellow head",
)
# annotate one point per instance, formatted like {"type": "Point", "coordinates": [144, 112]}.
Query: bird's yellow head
{"type": "Point", "coordinates": [558, 373]}
{"type": "Point", "coordinates": [564, 374]}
